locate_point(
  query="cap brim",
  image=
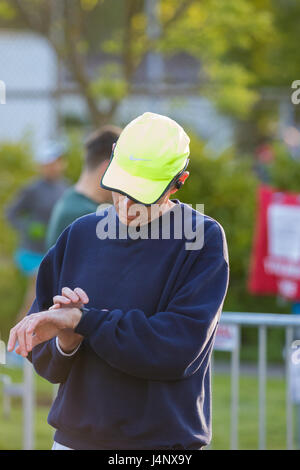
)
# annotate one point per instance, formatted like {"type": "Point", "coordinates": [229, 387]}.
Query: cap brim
{"type": "Point", "coordinates": [143, 190]}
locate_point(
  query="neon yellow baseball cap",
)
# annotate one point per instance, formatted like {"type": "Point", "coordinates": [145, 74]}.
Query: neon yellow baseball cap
{"type": "Point", "coordinates": [150, 152]}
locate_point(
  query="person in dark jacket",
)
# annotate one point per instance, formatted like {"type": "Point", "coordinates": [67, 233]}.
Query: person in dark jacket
{"type": "Point", "coordinates": [30, 211]}
{"type": "Point", "coordinates": [127, 306]}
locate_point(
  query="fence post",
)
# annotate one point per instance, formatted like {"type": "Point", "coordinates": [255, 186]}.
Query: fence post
{"type": "Point", "coordinates": [235, 373]}
{"type": "Point", "coordinates": [28, 406]}
{"type": "Point", "coordinates": [289, 406]}
{"type": "Point", "coordinates": [6, 380]}
{"type": "Point", "coordinates": [262, 374]}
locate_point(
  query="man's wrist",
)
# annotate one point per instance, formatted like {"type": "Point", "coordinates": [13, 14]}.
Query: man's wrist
{"type": "Point", "coordinates": [76, 314]}
{"type": "Point", "coordinates": [67, 338]}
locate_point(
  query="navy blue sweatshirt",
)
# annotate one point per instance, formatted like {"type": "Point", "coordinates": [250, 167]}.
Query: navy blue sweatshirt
{"type": "Point", "coordinates": [141, 377]}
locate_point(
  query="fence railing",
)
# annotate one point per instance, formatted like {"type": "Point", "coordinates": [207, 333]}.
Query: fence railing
{"type": "Point", "coordinates": [262, 321]}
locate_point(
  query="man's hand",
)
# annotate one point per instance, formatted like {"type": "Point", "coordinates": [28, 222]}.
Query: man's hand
{"type": "Point", "coordinates": [68, 340]}
{"type": "Point", "coordinates": [42, 326]}
{"type": "Point", "coordinates": [70, 298]}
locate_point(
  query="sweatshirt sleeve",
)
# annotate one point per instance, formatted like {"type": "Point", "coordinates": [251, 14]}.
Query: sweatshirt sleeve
{"type": "Point", "coordinates": [46, 357]}
{"type": "Point", "coordinates": [170, 344]}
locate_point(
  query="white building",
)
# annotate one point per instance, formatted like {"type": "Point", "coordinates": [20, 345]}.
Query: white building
{"type": "Point", "coordinates": [28, 69]}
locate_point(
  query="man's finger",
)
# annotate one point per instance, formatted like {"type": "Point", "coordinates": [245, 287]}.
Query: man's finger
{"type": "Point", "coordinates": [13, 335]}
{"type": "Point", "coordinates": [31, 327]}
{"type": "Point", "coordinates": [82, 295]}
{"type": "Point", "coordinates": [61, 299]}
{"type": "Point", "coordinates": [69, 293]}
{"type": "Point", "coordinates": [12, 340]}
{"type": "Point", "coordinates": [28, 334]}
{"type": "Point", "coordinates": [37, 320]}
{"type": "Point", "coordinates": [22, 339]}
{"type": "Point", "coordinates": [54, 306]}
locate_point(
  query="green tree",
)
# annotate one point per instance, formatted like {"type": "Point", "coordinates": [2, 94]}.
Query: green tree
{"type": "Point", "coordinates": [230, 39]}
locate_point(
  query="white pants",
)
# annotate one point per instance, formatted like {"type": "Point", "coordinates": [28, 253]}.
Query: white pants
{"type": "Point", "coordinates": [57, 446]}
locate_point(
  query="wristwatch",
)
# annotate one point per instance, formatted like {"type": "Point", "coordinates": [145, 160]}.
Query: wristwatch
{"type": "Point", "coordinates": [84, 311]}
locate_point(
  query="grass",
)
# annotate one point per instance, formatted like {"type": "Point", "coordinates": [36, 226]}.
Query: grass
{"type": "Point", "coordinates": [11, 429]}
{"type": "Point", "coordinates": [248, 413]}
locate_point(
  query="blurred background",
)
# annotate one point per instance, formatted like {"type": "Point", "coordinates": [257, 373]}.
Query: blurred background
{"type": "Point", "coordinates": [226, 72]}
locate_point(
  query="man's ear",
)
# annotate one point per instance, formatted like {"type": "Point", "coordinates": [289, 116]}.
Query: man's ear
{"type": "Point", "coordinates": [181, 181]}
{"type": "Point", "coordinates": [184, 176]}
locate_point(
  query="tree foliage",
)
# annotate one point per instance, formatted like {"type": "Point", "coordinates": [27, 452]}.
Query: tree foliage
{"type": "Point", "coordinates": [241, 45]}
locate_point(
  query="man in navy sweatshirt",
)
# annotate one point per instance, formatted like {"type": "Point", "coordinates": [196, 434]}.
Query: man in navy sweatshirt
{"type": "Point", "coordinates": [127, 305]}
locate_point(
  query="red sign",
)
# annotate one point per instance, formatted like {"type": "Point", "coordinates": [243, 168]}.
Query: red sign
{"type": "Point", "coordinates": [275, 264]}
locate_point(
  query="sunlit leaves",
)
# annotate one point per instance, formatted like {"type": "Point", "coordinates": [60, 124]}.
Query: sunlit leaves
{"type": "Point", "coordinates": [231, 88]}
{"type": "Point", "coordinates": [284, 170]}
{"type": "Point", "coordinates": [6, 10]}
{"type": "Point", "coordinates": [89, 5]}
{"type": "Point", "coordinates": [110, 84]}
{"type": "Point", "coordinates": [240, 45]}
{"type": "Point", "coordinates": [227, 187]}
{"type": "Point", "coordinates": [230, 39]}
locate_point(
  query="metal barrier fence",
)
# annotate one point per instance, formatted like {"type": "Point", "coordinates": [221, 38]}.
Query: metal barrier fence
{"type": "Point", "coordinates": [24, 390]}
{"type": "Point", "coordinates": [257, 320]}
{"type": "Point", "coordinates": [261, 321]}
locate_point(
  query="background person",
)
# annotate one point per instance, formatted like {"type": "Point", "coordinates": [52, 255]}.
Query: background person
{"type": "Point", "coordinates": [30, 212]}
{"type": "Point", "coordinates": [86, 195]}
